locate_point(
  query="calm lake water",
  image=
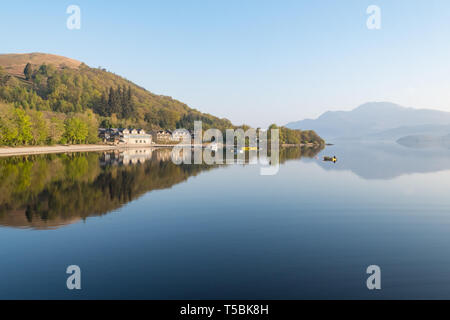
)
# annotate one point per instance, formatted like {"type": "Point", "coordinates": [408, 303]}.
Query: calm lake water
{"type": "Point", "coordinates": [142, 227]}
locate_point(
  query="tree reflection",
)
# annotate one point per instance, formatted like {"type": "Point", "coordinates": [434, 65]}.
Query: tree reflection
{"type": "Point", "coordinates": [47, 191]}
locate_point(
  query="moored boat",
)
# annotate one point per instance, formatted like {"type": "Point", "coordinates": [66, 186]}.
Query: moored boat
{"type": "Point", "coordinates": [333, 159]}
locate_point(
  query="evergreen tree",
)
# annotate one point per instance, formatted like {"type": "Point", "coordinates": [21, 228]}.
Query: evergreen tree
{"type": "Point", "coordinates": [102, 107]}
{"type": "Point", "coordinates": [28, 71]}
{"type": "Point", "coordinates": [43, 69]}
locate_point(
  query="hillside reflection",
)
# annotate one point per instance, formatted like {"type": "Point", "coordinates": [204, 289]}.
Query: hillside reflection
{"type": "Point", "coordinates": [48, 191]}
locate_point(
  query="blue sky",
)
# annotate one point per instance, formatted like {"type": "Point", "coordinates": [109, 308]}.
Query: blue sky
{"type": "Point", "coordinates": [256, 62]}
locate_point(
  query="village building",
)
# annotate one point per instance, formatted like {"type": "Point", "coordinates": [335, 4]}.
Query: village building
{"type": "Point", "coordinates": [129, 137]}
{"type": "Point", "coordinates": [181, 135]}
{"type": "Point", "coordinates": [169, 136]}
{"type": "Point", "coordinates": [162, 135]}
{"type": "Point", "coordinates": [134, 137]}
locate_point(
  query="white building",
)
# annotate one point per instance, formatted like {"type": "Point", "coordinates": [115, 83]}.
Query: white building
{"type": "Point", "coordinates": [181, 135]}
{"type": "Point", "coordinates": [134, 137]}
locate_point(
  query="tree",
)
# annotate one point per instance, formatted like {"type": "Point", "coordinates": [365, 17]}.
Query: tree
{"type": "Point", "coordinates": [43, 69]}
{"type": "Point", "coordinates": [23, 123]}
{"type": "Point", "coordinates": [102, 107]}
{"type": "Point", "coordinates": [76, 131]}
{"type": "Point", "coordinates": [127, 103]}
{"type": "Point", "coordinates": [56, 130]}
{"type": "Point", "coordinates": [8, 128]}
{"type": "Point", "coordinates": [28, 71]}
{"type": "Point", "coordinates": [113, 101]}
{"type": "Point", "coordinates": [88, 118]}
{"type": "Point", "coordinates": [119, 102]}
{"type": "Point", "coordinates": [106, 123]}
{"type": "Point", "coordinates": [39, 128]}
{"type": "Point", "coordinates": [167, 118]}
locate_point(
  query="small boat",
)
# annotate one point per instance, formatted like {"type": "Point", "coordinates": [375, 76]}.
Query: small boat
{"type": "Point", "coordinates": [333, 159]}
{"type": "Point", "coordinates": [249, 148]}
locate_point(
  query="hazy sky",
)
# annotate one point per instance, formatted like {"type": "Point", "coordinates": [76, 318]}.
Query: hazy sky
{"type": "Point", "coordinates": [258, 61]}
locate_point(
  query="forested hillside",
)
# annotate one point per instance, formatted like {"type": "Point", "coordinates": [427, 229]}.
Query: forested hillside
{"type": "Point", "coordinates": [57, 89]}
{"type": "Point", "coordinates": [48, 99]}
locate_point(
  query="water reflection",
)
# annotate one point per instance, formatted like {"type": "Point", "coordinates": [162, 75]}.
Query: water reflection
{"type": "Point", "coordinates": [48, 191]}
{"type": "Point", "coordinates": [385, 160]}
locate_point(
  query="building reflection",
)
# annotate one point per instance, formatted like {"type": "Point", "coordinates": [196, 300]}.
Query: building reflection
{"type": "Point", "coordinates": [126, 156]}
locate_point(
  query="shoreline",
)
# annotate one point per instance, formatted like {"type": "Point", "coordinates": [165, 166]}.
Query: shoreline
{"type": "Point", "coordinates": [287, 145]}
{"type": "Point", "coordinates": [31, 150]}
{"type": "Point", "coordinates": [25, 151]}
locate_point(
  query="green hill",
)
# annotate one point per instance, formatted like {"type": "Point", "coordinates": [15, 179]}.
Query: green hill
{"type": "Point", "coordinates": [55, 84]}
{"type": "Point", "coordinates": [49, 99]}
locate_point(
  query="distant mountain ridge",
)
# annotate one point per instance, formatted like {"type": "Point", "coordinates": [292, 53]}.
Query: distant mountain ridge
{"type": "Point", "coordinates": [377, 120]}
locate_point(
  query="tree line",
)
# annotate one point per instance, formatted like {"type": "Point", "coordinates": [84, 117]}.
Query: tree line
{"type": "Point", "coordinates": [297, 137]}
{"type": "Point", "coordinates": [117, 101]}
{"type": "Point", "coordinates": [19, 127]}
